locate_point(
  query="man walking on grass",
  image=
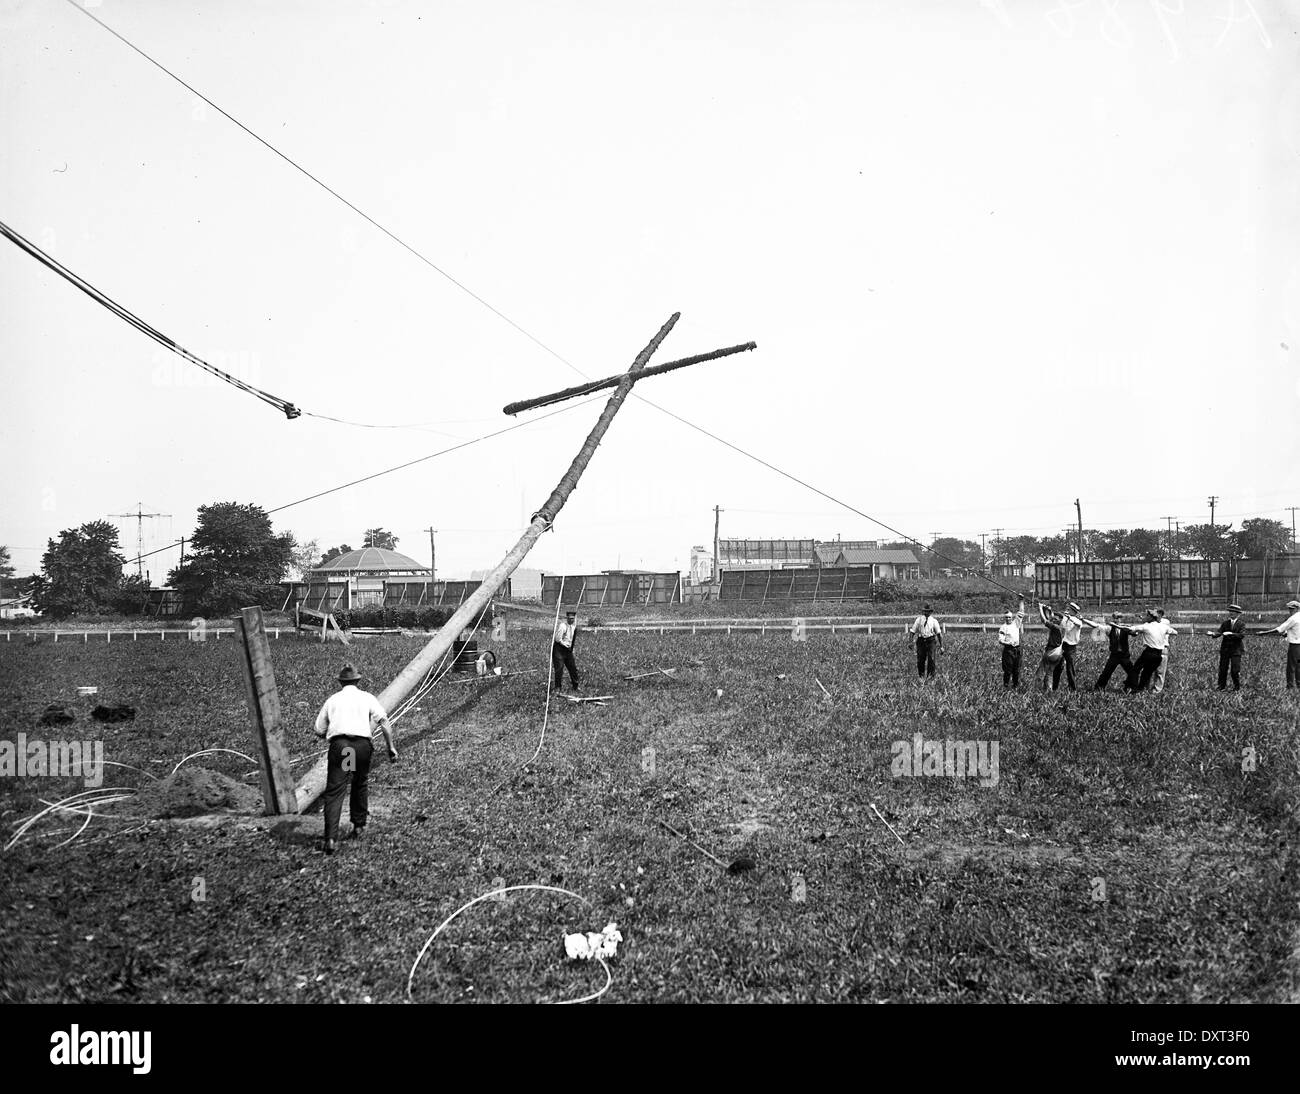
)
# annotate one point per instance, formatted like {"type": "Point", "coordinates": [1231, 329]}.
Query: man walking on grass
{"type": "Point", "coordinates": [346, 722]}
{"type": "Point", "coordinates": [1232, 637]}
{"type": "Point", "coordinates": [1010, 637]}
{"type": "Point", "coordinates": [1291, 628]}
{"type": "Point", "coordinates": [926, 633]}
{"type": "Point", "coordinates": [566, 634]}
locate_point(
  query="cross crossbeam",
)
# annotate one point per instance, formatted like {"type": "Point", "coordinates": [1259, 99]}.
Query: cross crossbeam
{"type": "Point", "coordinates": [613, 381]}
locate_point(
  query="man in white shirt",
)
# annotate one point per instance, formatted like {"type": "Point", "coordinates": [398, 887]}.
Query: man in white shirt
{"type": "Point", "coordinates": [1158, 684]}
{"type": "Point", "coordinates": [1072, 625]}
{"type": "Point", "coordinates": [1291, 628]}
{"type": "Point", "coordinates": [926, 633]}
{"type": "Point", "coordinates": [566, 634]}
{"type": "Point", "coordinates": [1010, 635]}
{"type": "Point", "coordinates": [1155, 634]}
{"type": "Point", "coordinates": [345, 722]}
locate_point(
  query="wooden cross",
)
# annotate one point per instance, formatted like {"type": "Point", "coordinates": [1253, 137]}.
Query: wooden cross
{"type": "Point", "coordinates": [613, 381]}
{"type": "Point", "coordinates": [414, 675]}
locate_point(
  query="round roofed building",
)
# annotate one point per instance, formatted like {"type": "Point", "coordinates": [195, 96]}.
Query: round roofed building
{"type": "Point", "coordinates": [358, 577]}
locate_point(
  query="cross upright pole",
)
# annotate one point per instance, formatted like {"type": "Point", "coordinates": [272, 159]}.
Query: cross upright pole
{"type": "Point", "coordinates": [411, 677]}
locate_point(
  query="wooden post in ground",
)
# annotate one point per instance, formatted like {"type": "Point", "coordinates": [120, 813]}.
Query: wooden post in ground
{"type": "Point", "coordinates": [264, 710]}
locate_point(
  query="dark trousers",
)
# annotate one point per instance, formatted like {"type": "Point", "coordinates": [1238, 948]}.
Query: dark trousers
{"type": "Point", "coordinates": [1229, 661]}
{"type": "Point", "coordinates": [349, 761]}
{"type": "Point", "coordinates": [561, 659]}
{"type": "Point", "coordinates": [925, 656]}
{"type": "Point", "coordinates": [1113, 662]}
{"type": "Point", "coordinates": [1293, 664]}
{"type": "Point", "coordinates": [1145, 668]}
{"type": "Point", "coordinates": [1066, 665]}
{"type": "Point", "coordinates": [1010, 666]}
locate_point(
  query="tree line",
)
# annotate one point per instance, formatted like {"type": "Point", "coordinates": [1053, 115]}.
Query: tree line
{"type": "Point", "coordinates": [234, 558]}
{"type": "Point", "coordinates": [1259, 537]}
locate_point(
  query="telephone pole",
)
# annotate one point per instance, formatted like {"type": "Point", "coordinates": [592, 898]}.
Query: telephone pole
{"type": "Point", "coordinates": [1079, 514]}
{"type": "Point", "coordinates": [717, 561]}
{"type": "Point", "coordinates": [1212, 499]}
{"type": "Point", "coordinates": [982, 564]}
{"type": "Point", "coordinates": [1169, 537]}
{"type": "Point", "coordinates": [433, 557]}
{"type": "Point", "coordinates": [140, 517]}
{"type": "Point", "coordinates": [1178, 535]}
{"type": "Point", "coordinates": [1291, 509]}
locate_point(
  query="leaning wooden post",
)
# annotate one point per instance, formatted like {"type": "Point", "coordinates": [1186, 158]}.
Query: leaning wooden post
{"type": "Point", "coordinates": [264, 709]}
{"type": "Point", "coordinates": [411, 677]}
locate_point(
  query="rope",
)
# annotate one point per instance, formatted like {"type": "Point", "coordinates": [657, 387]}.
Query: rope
{"type": "Point", "coordinates": [465, 907]}
{"type": "Point", "coordinates": [546, 711]}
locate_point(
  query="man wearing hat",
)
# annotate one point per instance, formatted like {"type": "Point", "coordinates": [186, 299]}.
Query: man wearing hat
{"type": "Point", "coordinates": [1072, 626]}
{"type": "Point", "coordinates": [1291, 628]}
{"type": "Point", "coordinates": [566, 634]}
{"type": "Point", "coordinates": [345, 722]}
{"type": "Point", "coordinates": [1155, 634]}
{"type": "Point", "coordinates": [1117, 634]}
{"type": "Point", "coordinates": [1010, 636]}
{"type": "Point", "coordinates": [1232, 637]}
{"type": "Point", "coordinates": [926, 632]}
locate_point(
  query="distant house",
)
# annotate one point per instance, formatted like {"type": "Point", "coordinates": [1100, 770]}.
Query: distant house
{"type": "Point", "coordinates": [17, 608]}
{"type": "Point", "coordinates": [890, 564]}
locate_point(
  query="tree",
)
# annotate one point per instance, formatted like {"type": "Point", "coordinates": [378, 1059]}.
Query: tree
{"type": "Point", "coordinates": [333, 553]}
{"type": "Point", "coordinates": [1212, 541]}
{"type": "Point", "coordinates": [79, 573]}
{"type": "Point", "coordinates": [6, 565]}
{"type": "Point", "coordinates": [948, 552]}
{"type": "Point", "coordinates": [1052, 549]}
{"type": "Point", "coordinates": [1145, 544]}
{"type": "Point", "coordinates": [1018, 550]}
{"type": "Point", "coordinates": [303, 559]}
{"type": "Point", "coordinates": [1110, 544]}
{"type": "Point", "coordinates": [1261, 537]}
{"type": "Point", "coordinates": [236, 555]}
{"type": "Point", "coordinates": [378, 537]}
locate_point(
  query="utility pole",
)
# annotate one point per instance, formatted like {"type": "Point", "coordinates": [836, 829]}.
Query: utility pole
{"type": "Point", "coordinates": [717, 561]}
{"type": "Point", "coordinates": [1178, 535]}
{"type": "Point", "coordinates": [1212, 499]}
{"type": "Point", "coordinates": [1079, 513]}
{"type": "Point", "coordinates": [140, 516]}
{"type": "Point", "coordinates": [982, 565]}
{"type": "Point", "coordinates": [433, 557]}
{"type": "Point", "coordinates": [1169, 538]}
{"type": "Point", "coordinates": [1291, 509]}
{"type": "Point", "coordinates": [934, 538]}
{"type": "Point", "coordinates": [997, 540]}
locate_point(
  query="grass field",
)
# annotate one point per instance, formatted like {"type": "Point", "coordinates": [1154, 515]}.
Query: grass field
{"type": "Point", "coordinates": [1123, 855]}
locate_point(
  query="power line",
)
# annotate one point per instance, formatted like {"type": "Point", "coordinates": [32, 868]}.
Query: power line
{"type": "Point", "coordinates": [289, 410]}
{"type": "Point", "coordinates": [386, 471]}
{"type": "Point", "coordinates": [329, 189]}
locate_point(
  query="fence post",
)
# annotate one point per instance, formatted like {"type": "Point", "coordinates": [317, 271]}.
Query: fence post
{"type": "Point", "coordinates": [278, 790]}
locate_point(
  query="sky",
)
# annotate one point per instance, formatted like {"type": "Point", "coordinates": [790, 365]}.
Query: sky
{"type": "Point", "coordinates": [995, 255]}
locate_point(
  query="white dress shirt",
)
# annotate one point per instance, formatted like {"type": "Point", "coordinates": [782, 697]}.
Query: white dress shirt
{"type": "Point", "coordinates": [1009, 633]}
{"type": "Point", "coordinates": [1071, 629]}
{"type": "Point", "coordinates": [1290, 628]}
{"type": "Point", "coordinates": [564, 634]}
{"type": "Point", "coordinates": [1155, 636]}
{"type": "Point", "coordinates": [926, 626]}
{"type": "Point", "coordinates": [348, 713]}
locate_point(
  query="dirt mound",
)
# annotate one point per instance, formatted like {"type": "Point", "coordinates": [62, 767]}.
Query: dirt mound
{"type": "Point", "coordinates": [193, 790]}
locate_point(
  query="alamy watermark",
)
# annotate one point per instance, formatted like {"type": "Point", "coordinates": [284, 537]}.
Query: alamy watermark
{"type": "Point", "coordinates": [35, 758]}
{"type": "Point", "coordinates": [949, 759]}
